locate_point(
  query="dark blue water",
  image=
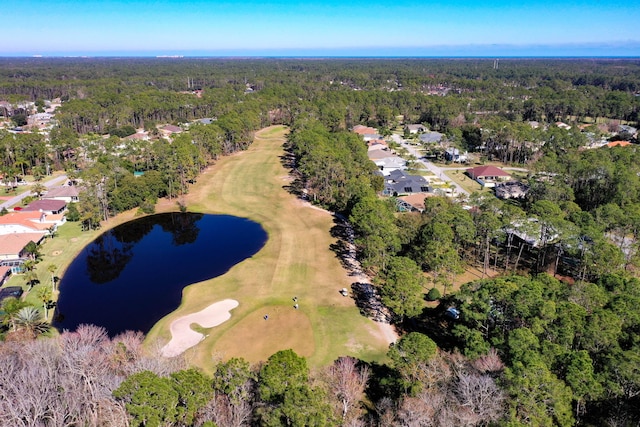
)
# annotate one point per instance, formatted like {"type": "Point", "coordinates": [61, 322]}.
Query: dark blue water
{"type": "Point", "coordinates": [133, 275]}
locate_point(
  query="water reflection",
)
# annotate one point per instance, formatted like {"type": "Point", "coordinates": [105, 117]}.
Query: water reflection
{"type": "Point", "coordinates": [133, 275]}
{"type": "Point", "coordinates": [107, 258]}
{"type": "Point", "coordinates": [110, 253]}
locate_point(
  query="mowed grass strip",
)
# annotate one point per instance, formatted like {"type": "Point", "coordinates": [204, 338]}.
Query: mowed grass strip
{"type": "Point", "coordinates": [295, 262]}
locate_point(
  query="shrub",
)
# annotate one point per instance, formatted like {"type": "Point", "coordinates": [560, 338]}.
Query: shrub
{"type": "Point", "coordinates": [434, 294]}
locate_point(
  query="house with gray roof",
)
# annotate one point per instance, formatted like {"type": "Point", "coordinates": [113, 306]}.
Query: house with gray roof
{"type": "Point", "coordinates": [68, 193]}
{"type": "Point", "coordinates": [629, 129]}
{"type": "Point", "coordinates": [387, 161]}
{"type": "Point", "coordinates": [391, 164]}
{"type": "Point", "coordinates": [431, 137]}
{"type": "Point", "coordinates": [399, 183]}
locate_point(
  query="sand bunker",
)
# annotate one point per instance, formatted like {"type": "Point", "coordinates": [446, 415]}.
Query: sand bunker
{"type": "Point", "coordinates": [183, 337]}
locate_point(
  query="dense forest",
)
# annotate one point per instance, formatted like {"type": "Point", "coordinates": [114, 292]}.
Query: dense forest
{"type": "Point", "coordinates": [522, 348]}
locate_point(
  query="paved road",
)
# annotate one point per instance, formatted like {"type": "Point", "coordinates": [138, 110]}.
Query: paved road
{"type": "Point", "coordinates": [437, 171]}
{"type": "Point", "coordinates": [54, 182]}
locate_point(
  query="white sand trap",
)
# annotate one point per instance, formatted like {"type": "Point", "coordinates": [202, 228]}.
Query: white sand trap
{"type": "Point", "coordinates": [183, 337]}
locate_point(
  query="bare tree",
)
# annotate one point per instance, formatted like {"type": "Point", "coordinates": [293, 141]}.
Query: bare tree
{"type": "Point", "coordinates": [63, 381]}
{"type": "Point", "coordinates": [227, 412]}
{"type": "Point", "coordinates": [385, 408]}
{"type": "Point", "coordinates": [347, 383]}
{"type": "Point", "coordinates": [489, 363]}
{"type": "Point", "coordinates": [480, 397]}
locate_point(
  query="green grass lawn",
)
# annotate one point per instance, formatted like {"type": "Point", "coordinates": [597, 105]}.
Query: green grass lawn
{"type": "Point", "coordinates": [58, 251]}
{"type": "Point", "coordinates": [465, 182]}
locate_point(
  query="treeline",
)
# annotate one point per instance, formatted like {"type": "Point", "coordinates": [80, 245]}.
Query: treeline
{"type": "Point", "coordinates": [85, 378]}
{"type": "Point", "coordinates": [572, 352]}
{"type": "Point", "coordinates": [340, 92]}
{"type": "Point", "coordinates": [166, 168]}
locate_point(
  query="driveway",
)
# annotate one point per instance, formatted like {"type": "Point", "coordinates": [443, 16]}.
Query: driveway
{"type": "Point", "coordinates": [437, 171]}
{"type": "Point", "coordinates": [54, 182]}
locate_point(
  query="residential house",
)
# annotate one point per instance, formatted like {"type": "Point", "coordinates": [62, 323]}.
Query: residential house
{"type": "Point", "coordinates": [10, 291]}
{"type": "Point", "coordinates": [371, 137]}
{"type": "Point", "coordinates": [12, 246]}
{"type": "Point", "coordinates": [387, 161]}
{"type": "Point", "coordinates": [415, 128]}
{"type": "Point", "coordinates": [488, 175]}
{"type": "Point", "coordinates": [532, 232]}
{"type": "Point", "coordinates": [362, 130]}
{"type": "Point", "coordinates": [399, 183]}
{"type": "Point", "coordinates": [169, 130]}
{"type": "Point", "coordinates": [391, 164]}
{"type": "Point", "coordinates": [431, 137]}
{"type": "Point", "coordinates": [511, 190]}
{"type": "Point", "coordinates": [377, 144]}
{"type": "Point", "coordinates": [67, 193]}
{"type": "Point", "coordinates": [48, 206]}
{"type": "Point", "coordinates": [628, 129]}
{"type": "Point", "coordinates": [39, 119]}
{"type": "Point", "coordinates": [138, 136]}
{"type": "Point", "coordinates": [453, 155]}
{"type": "Point", "coordinates": [412, 202]}
{"type": "Point", "coordinates": [562, 125]}
{"type": "Point", "coordinates": [30, 222]}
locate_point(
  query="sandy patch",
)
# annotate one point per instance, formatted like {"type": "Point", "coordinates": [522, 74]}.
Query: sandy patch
{"type": "Point", "coordinates": [183, 337]}
{"type": "Point", "coordinates": [388, 332]}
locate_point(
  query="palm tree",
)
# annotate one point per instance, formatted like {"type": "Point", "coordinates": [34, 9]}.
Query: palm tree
{"type": "Point", "coordinates": [21, 163]}
{"type": "Point", "coordinates": [33, 253]}
{"type": "Point", "coordinates": [31, 278]}
{"type": "Point", "coordinates": [51, 268]}
{"type": "Point", "coordinates": [38, 173]}
{"type": "Point", "coordinates": [39, 189]}
{"type": "Point", "coordinates": [44, 295]}
{"type": "Point", "coordinates": [30, 320]}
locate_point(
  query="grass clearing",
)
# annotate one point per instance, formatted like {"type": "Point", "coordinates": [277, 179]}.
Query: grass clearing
{"type": "Point", "coordinates": [296, 261]}
{"type": "Point", "coordinates": [465, 182]}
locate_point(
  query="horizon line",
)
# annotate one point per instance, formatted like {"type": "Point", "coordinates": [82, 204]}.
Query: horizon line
{"type": "Point", "coordinates": [319, 56]}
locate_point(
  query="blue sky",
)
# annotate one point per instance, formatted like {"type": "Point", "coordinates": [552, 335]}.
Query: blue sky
{"type": "Point", "coordinates": [341, 28]}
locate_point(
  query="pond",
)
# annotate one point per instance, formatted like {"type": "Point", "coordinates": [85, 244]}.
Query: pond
{"type": "Point", "coordinates": [133, 275]}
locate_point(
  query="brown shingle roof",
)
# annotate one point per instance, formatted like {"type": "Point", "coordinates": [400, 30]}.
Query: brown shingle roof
{"type": "Point", "coordinates": [64, 191]}
{"type": "Point", "coordinates": [486, 171]}
{"type": "Point", "coordinates": [417, 200]}
{"type": "Point", "coordinates": [45, 205]}
{"type": "Point", "coordinates": [13, 244]}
